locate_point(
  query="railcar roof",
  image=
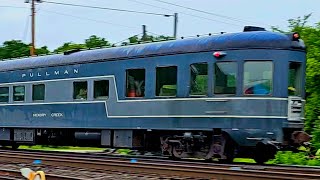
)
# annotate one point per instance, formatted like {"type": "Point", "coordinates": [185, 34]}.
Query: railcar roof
{"type": "Point", "coordinates": [242, 40]}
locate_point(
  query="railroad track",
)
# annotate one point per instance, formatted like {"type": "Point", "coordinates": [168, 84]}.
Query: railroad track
{"type": "Point", "coordinates": [7, 172]}
{"type": "Point", "coordinates": [162, 167]}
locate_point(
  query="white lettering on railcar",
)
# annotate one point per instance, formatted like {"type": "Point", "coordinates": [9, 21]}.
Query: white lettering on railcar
{"type": "Point", "coordinates": [52, 73]}
{"type": "Point", "coordinates": [39, 115]}
{"type": "Point", "coordinates": [56, 115]}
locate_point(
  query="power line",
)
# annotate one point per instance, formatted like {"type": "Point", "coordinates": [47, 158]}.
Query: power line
{"type": "Point", "coordinates": [126, 39]}
{"type": "Point", "coordinates": [18, 7]}
{"type": "Point", "coordinates": [26, 28]}
{"type": "Point", "coordinates": [197, 10]}
{"type": "Point", "coordinates": [105, 8]}
{"type": "Point", "coordinates": [192, 15]}
{"type": "Point", "coordinates": [88, 19]}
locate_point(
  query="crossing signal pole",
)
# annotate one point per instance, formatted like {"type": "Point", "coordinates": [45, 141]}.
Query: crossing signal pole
{"type": "Point", "coordinates": [33, 19]}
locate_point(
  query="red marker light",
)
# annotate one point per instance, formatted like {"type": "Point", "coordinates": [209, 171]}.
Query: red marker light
{"type": "Point", "coordinates": [216, 54]}
{"type": "Point", "coordinates": [219, 54]}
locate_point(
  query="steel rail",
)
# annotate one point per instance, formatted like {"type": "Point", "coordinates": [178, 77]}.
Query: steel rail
{"type": "Point", "coordinates": [9, 174]}
{"type": "Point", "coordinates": [169, 168]}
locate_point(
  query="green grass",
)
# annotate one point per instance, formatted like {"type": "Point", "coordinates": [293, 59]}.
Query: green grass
{"type": "Point", "coordinates": [48, 148]}
{"type": "Point", "coordinates": [244, 160]}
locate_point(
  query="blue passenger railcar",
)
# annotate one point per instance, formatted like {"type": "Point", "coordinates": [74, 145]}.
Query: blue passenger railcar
{"type": "Point", "coordinates": [212, 96]}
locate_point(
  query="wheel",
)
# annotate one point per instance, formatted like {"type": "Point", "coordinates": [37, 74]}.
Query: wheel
{"type": "Point", "coordinates": [15, 146]}
{"type": "Point", "coordinates": [264, 152]}
{"type": "Point", "coordinates": [229, 151]}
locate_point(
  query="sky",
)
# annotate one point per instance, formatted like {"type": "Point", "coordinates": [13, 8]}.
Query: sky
{"type": "Point", "coordinates": [57, 24]}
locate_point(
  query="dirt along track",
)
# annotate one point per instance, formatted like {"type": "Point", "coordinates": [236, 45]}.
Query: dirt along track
{"type": "Point", "coordinates": [150, 168]}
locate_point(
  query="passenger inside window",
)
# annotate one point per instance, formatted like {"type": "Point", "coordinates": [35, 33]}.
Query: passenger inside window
{"type": "Point", "coordinates": [166, 84]}
{"type": "Point", "coordinates": [258, 78]}
{"type": "Point", "coordinates": [199, 79]}
{"type": "Point", "coordinates": [80, 90]}
{"type": "Point", "coordinates": [135, 82]}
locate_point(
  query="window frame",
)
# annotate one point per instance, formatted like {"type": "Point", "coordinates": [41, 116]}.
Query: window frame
{"type": "Point", "coordinates": [108, 86]}
{"type": "Point", "coordinates": [236, 78]}
{"type": "Point", "coordinates": [32, 91]}
{"type": "Point", "coordinates": [272, 78]}
{"type": "Point", "coordinates": [126, 81]}
{"type": "Point", "coordinates": [8, 87]}
{"type": "Point", "coordinates": [189, 84]}
{"type": "Point", "coordinates": [177, 80]}
{"type": "Point", "coordinates": [73, 90]}
{"type": "Point", "coordinates": [24, 95]}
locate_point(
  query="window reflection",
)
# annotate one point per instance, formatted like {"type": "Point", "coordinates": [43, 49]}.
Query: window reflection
{"type": "Point", "coordinates": [258, 78]}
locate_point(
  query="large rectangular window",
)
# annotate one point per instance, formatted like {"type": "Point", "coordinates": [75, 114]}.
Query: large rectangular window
{"type": "Point", "coordinates": [225, 78]}
{"type": "Point", "coordinates": [80, 90]}
{"type": "Point", "coordinates": [199, 79]}
{"type": "Point", "coordinates": [18, 93]}
{"type": "Point", "coordinates": [4, 94]}
{"type": "Point", "coordinates": [295, 79]}
{"type": "Point", "coordinates": [258, 77]}
{"type": "Point", "coordinates": [166, 84]}
{"type": "Point", "coordinates": [135, 82]}
{"type": "Point", "coordinates": [38, 92]}
{"type": "Point", "coordinates": [101, 89]}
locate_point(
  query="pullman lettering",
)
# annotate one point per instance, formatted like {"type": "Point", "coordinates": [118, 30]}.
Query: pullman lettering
{"type": "Point", "coordinates": [50, 73]}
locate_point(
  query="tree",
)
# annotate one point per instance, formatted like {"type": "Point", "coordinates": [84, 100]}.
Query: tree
{"type": "Point", "coordinates": [310, 35]}
{"type": "Point", "coordinates": [16, 48]}
{"type": "Point", "coordinates": [69, 46]}
{"type": "Point", "coordinates": [94, 42]}
{"type": "Point", "coordinates": [135, 39]}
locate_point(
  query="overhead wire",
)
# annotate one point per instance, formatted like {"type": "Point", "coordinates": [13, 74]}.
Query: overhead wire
{"type": "Point", "coordinates": [127, 38]}
{"type": "Point", "coordinates": [105, 8]}
{"type": "Point", "coordinates": [88, 19]}
{"type": "Point", "coordinates": [205, 12]}
{"type": "Point", "coordinates": [192, 15]}
{"type": "Point", "coordinates": [26, 29]}
{"type": "Point", "coordinates": [18, 7]}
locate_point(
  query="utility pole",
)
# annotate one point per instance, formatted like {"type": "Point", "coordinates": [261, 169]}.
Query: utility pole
{"type": "Point", "coordinates": [33, 24]}
{"type": "Point", "coordinates": [175, 25]}
{"type": "Point", "coordinates": [144, 32]}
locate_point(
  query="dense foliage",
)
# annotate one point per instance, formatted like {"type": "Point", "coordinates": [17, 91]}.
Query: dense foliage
{"type": "Point", "coordinates": [16, 48]}
{"type": "Point", "coordinates": [290, 158]}
{"type": "Point", "coordinates": [311, 37]}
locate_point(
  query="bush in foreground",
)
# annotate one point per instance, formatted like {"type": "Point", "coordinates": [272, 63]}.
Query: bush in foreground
{"type": "Point", "coordinates": [300, 158]}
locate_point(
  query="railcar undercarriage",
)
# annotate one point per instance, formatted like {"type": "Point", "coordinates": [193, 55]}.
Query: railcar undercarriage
{"type": "Point", "coordinates": [216, 144]}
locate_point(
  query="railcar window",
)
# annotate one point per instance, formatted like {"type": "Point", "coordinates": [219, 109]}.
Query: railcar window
{"type": "Point", "coordinates": [38, 91]}
{"type": "Point", "coordinates": [199, 79]}
{"type": "Point", "coordinates": [166, 84]}
{"type": "Point", "coordinates": [18, 93]}
{"type": "Point", "coordinates": [258, 78]}
{"type": "Point", "coordinates": [135, 82]}
{"type": "Point", "coordinates": [80, 90]}
{"type": "Point", "coordinates": [4, 94]}
{"type": "Point", "coordinates": [225, 78]}
{"type": "Point", "coordinates": [101, 89]}
{"type": "Point", "coordinates": [295, 79]}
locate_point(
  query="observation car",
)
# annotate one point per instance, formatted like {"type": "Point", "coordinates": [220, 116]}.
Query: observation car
{"type": "Point", "coordinates": [223, 96]}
